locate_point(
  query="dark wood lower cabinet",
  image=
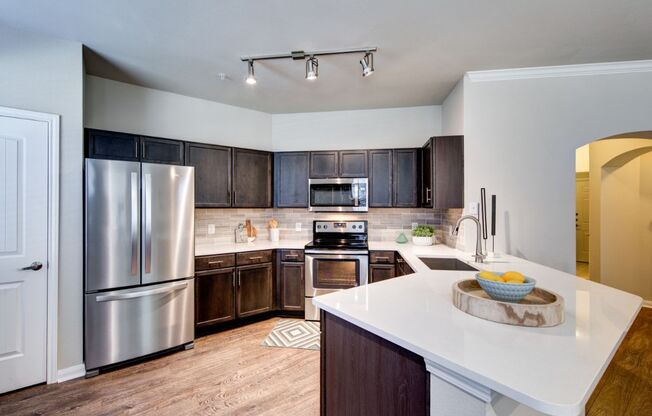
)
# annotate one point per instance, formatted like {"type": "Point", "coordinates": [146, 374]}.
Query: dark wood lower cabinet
{"type": "Point", "coordinates": [402, 268]}
{"type": "Point", "coordinates": [214, 297]}
{"type": "Point", "coordinates": [292, 286]}
{"type": "Point", "coordinates": [255, 285]}
{"type": "Point", "coordinates": [363, 374]}
{"type": "Point", "coordinates": [380, 272]}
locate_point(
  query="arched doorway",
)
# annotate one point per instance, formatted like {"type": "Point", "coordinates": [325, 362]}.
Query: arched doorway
{"type": "Point", "coordinates": [614, 212]}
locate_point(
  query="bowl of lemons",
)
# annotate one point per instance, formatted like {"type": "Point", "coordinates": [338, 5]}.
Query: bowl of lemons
{"type": "Point", "coordinates": [506, 287]}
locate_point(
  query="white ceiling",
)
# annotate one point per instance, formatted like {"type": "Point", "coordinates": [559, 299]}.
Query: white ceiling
{"type": "Point", "coordinates": [424, 45]}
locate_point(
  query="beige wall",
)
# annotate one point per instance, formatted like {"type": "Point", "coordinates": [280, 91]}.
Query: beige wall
{"type": "Point", "coordinates": [621, 185]}
{"type": "Point", "coordinates": [582, 159]}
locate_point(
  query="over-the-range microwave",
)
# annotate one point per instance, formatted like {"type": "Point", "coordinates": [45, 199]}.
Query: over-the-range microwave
{"type": "Point", "coordinates": [339, 195]}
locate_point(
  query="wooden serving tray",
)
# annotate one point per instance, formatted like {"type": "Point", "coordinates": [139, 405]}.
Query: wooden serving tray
{"type": "Point", "coordinates": [541, 308]}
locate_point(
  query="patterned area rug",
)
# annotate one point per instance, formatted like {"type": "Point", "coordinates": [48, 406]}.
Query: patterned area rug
{"type": "Point", "coordinates": [294, 333]}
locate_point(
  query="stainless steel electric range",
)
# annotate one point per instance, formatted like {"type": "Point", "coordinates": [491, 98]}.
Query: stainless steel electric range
{"type": "Point", "coordinates": [336, 259]}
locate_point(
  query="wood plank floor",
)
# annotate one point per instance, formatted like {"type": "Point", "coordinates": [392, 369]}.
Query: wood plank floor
{"type": "Point", "coordinates": [230, 373]}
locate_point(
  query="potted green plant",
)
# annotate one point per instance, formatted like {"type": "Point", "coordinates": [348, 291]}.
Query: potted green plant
{"type": "Point", "coordinates": [422, 235]}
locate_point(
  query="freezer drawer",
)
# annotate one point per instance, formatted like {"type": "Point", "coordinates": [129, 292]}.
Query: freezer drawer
{"type": "Point", "coordinates": [130, 323]}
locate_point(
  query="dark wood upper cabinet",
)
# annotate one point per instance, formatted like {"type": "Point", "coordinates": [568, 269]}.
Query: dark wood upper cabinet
{"type": "Point", "coordinates": [252, 179]}
{"type": "Point", "coordinates": [157, 150]}
{"type": "Point", "coordinates": [102, 144]}
{"type": "Point", "coordinates": [443, 172]}
{"type": "Point", "coordinates": [380, 178]}
{"type": "Point", "coordinates": [324, 164]}
{"type": "Point", "coordinates": [406, 178]}
{"type": "Point", "coordinates": [214, 297]}
{"type": "Point", "coordinates": [212, 174]}
{"type": "Point", "coordinates": [291, 171]}
{"type": "Point", "coordinates": [254, 290]}
{"type": "Point", "coordinates": [292, 286]}
{"type": "Point", "coordinates": [353, 164]}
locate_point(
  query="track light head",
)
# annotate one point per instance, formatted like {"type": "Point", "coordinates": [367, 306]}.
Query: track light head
{"type": "Point", "coordinates": [251, 79]}
{"type": "Point", "coordinates": [367, 63]}
{"type": "Point", "coordinates": [312, 68]}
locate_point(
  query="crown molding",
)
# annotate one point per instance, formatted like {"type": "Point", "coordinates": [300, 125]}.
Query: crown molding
{"type": "Point", "coordinates": [605, 68]}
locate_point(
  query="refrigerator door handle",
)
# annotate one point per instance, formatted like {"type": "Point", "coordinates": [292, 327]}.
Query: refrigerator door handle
{"type": "Point", "coordinates": [159, 290]}
{"type": "Point", "coordinates": [148, 223]}
{"type": "Point", "coordinates": [134, 223]}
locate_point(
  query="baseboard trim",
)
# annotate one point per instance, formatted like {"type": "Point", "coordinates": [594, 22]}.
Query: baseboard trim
{"type": "Point", "coordinates": [70, 373]}
{"type": "Point", "coordinates": [647, 303]}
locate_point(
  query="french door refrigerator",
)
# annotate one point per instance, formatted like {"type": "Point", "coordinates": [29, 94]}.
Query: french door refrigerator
{"type": "Point", "coordinates": [139, 260]}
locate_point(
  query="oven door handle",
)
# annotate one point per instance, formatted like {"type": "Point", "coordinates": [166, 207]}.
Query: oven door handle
{"type": "Point", "coordinates": [335, 257]}
{"type": "Point", "coordinates": [332, 253]}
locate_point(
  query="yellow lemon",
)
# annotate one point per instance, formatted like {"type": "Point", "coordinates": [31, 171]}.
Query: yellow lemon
{"type": "Point", "coordinates": [489, 276]}
{"type": "Point", "coordinates": [515, 282]}
{"type": "Point", "coordinates": [515, 276]}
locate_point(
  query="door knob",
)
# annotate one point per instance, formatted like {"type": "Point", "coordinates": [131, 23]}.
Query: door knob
{"type": "Point", "coordinates": [34, 266]}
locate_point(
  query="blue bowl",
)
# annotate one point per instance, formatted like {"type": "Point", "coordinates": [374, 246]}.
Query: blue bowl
{"type": "Point", "coordinates": [506, 292]}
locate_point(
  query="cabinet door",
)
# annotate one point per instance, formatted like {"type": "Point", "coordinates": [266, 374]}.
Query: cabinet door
{"type": "Point", "coordinates": [155, 150]}
{"type": "Point", "coordinates": [324, 164]}
{"type": "Point", "coordinates": [212, 174]}
{"type": "Point", "coordinates": [252, 179]}
{"type": "Point", "coordinates": [426, 175]}
{"type": "Point", "coordinates": [406, 178]}
{"type": "Point", "coordinates": [291, 179]}
{"type": "Point", "coordinates": [380, 178]}
{"type": "Point", "coordinates": [254, 290]}
{"type": "Point", "coordinates": [292, 286]}
{"type": "Point", "coordinates": [448, 167]}
{"type": "Point", "coordinates": [102, 144]}
{"type": "Point", "coordinates": [353, 164]}
{"type": "Point", "coordinates": [379, 272]}
{"type": "Point", "coordinates": [214, 297]}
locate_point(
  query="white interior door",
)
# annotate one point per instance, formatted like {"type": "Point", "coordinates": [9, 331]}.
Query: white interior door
{"type": "Point", "coordinates": [23, 242]}
{"type": "Point", "coordinates": [582, 218]}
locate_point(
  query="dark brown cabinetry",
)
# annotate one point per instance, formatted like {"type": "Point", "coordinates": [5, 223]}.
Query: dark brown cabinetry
{"type": "Point", "coordinates": [324, 164]}
{"type": "Point", "coordinates": [402, 268]}
{"type": "Point", "coordinates": [212, 174]}
{"type": "Point", "coordinates": [380, 178]}
{"type": "Point", "coordinates": [443, 172]}
{"type": "Point", "coordinates": [291, 171]}
{"type": "Point", "coordinates": [157, 150]}
{"type": "Point", "coordinates": [406, 178]}
{"type": "Point", "coordinates": [254, 294]}
{"type": "Point", "coordinates": [353, 164]}
{"type": "Point", "coordinates": [292, 286]}
{"type": "Point", "coordinates": [214, 296]}
{"type": "Point", "coordinates": [381, 266]}
{"type": "Point", "coordinates": [102, 144]}
{"type": "Point", "coordinates": [252, 179]}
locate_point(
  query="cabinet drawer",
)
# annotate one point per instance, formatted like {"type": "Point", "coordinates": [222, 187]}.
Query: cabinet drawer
{"type": "Point", "coordinates": [254, 257]}
{"type": "Point", "coordinates": [381, 257]}
{"type": "Point", "coordinates": [217, 261]}
{"type": "Point", "coordinates": [292, 255]}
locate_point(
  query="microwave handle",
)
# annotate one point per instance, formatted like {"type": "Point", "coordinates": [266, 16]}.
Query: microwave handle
{"type": "Point", "coordinates": [355, 190]}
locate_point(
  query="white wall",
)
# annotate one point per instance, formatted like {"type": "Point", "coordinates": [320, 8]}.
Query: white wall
{"type": "Point", "coordinates": [452, 112]}
{"type": "Point", "coordinates": [46, 75]}
{"type": "Point", "coordinates": [112, 105]}
{"type": "Point", "coordinates": [520, 141]}
{"type": "Point", "coordinates": [357, 129]}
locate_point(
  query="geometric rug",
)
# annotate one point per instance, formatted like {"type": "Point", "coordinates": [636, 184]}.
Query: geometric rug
{"type": "Point", "coordinates": [294, 333]}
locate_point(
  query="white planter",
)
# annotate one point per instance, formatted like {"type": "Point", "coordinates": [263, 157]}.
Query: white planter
{"type": "Point", "coordinates": [422, 241]}
{"type": "Point", "coordinates": [274, 234]}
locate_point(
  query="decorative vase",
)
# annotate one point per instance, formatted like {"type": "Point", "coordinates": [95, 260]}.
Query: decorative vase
{"type": "Point", "coordinates": [422, 241]}
{"type": "Point", "coordinates": [274, 234]}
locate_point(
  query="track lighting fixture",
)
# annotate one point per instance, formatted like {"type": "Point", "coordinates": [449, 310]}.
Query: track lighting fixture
{"type": "Point", "coordinates": [251, 79]}
{"type": "Point", "coordinates": [312, 69]}
{"type": "Point", "coordinates": [367, 63]}
{"type": "Point", "coordinates": [312, 64]}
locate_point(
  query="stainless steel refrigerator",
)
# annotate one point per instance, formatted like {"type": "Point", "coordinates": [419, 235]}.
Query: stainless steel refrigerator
{"type": "Point", "coordinates": [139, 260]}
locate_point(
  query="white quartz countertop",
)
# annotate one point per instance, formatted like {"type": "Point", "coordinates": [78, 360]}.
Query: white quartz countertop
{"type": "Point", "coordinates": [212, 249]}
{"type": "Point", "coordinates": [553, 370]}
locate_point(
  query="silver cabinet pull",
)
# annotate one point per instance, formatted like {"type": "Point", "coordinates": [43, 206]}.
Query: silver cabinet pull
{"type": "Point", "coordinates": [35, 266]}
{"type": "Point", "coordinates": [239, 278]}
{"type": "Point", "coordinates": [380, 258]}
{"type": "Point", "coordinates": [291, 256]}
{"type": "Point", "coordinates": [216, 262]}
{"type": "Point", "coordinates": [134, 223]}
{"type": "Point", "coordinates": [428, 194]}
{"type": "Point", "coordinates": [143, 293]}
{"type": "Point", "coordinates": [148, 223]}
{"type": "Point", "coordinates": [256, 258]}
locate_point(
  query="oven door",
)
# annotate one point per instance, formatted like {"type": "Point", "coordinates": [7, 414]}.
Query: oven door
{"type": "Point", "coordinates": [334, 271]}
{"type": "Point", "coordinates": [342, 195]}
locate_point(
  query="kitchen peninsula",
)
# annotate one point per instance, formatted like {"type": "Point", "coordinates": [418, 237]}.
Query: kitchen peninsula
{"type": "Point", "coordinates": [435, 359]}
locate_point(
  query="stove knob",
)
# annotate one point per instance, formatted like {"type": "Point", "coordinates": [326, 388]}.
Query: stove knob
{"type": "Point", "coordinates": [354, 227]}
{"type": "Point", "coordinates": [319, 226]}
{"type": "Point", "coordinates": [325, 227]}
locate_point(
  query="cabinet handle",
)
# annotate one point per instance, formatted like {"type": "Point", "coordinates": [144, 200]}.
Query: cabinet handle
{"type": "Point", "coordinates": [239, 278]}
{"type": "Point", "coordinates": [233, 277]}
{"type": "Point", "coordinates": [256, 258]}
{"type": "Point", "coordinates": [399, 261]}
{"type": "Point", "coordinates": [380, 258]}
{"type": "Point", "coordinates": [291, 256]}
{"type": "Point", "coordinates": [216, 262]}
{"type": "Point", "coordinates": [428, 195]}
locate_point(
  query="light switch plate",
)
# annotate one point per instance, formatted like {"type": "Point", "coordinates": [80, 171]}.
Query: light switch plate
{"type": "Point", "coordinates": [473, 208]}
{"type": "Point", "coordinates": [297, 226]}
{"type": "Point", "coordinates": [211, 228]}
{"type": "Point", "coordinates": [415, 225]}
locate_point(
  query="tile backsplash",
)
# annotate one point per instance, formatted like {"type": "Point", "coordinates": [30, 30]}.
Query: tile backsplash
{"type": "Point", "coordinates": [385, 224]}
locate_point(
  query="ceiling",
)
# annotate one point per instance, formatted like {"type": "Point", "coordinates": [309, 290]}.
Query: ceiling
{"type": "Point", "coordinates": [425, 46]}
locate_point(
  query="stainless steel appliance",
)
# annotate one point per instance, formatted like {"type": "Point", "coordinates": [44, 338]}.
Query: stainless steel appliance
{"type": "Point", "coordinates": [339, 195]}
{"type": "Point", "coordinates": [336, 259]}
{"type": "Point", "coordinates": [138, 260]}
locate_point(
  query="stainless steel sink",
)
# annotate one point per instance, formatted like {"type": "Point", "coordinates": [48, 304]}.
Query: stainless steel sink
{"type": "Point", "coordinates": [443, 263]}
